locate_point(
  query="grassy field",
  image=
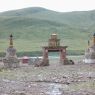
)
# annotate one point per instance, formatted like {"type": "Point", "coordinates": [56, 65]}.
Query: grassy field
{"type": "Point", "coordinates": [32, 27]}
{"type": "Point", "coordinates": [26, 46]}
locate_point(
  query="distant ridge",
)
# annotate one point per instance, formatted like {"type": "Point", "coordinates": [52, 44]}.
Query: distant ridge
{"type": "Point", "coordinates": [24, 11]}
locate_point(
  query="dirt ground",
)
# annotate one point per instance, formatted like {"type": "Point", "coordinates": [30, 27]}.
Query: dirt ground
{"type": "Point", "coordinates": [56, 79]}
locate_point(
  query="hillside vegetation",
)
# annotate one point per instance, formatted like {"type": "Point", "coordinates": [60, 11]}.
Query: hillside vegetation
{"type": "Point", "coordinates": [31, 28]}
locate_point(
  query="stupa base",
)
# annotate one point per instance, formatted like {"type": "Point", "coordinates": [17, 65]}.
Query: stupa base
{"type": "Point", "coordinates": [89, 61]}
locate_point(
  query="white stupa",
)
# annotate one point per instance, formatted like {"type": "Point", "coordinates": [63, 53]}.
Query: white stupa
{"type": "Point", "coordinates": [90, 53]}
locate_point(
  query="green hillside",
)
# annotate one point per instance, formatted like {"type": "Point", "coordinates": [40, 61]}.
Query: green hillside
{"type": "Point", "coordinates": [31, 28]}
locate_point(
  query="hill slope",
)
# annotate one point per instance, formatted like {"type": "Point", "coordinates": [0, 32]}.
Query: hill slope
{"type": "Point", "coordinates": [32, 27]}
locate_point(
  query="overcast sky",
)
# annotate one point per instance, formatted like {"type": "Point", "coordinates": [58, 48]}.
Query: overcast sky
{"type": "Point", "coordinates": [57, 5]}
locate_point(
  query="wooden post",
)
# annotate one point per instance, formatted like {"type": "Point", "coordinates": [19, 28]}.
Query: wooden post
{"type": "Point", "coordinates": [45, 57]}
{"type": "Point", "coordinates": [45, 54]}
{"type": "Point", "coordinates": [62, 54]}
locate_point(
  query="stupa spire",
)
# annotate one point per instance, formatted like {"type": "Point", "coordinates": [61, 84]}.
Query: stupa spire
{"type": "Point", "coordinates": [94, 39]}
{"type": "Point", "coordinates": [11, 41]}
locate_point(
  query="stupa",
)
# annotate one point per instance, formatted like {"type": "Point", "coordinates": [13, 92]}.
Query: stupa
{"type": "Point", "coordinates": [54, 46]}
{"type": "Point", "coordinates": [11, 60]}
{"type": "Point", "coordinates": [90, 52]}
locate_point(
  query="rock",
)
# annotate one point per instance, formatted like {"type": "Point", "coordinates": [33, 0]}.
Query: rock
{"type": "Point", "coordinates": [68, 62]}
{"type": "Point", "coordinates": [44, 62]}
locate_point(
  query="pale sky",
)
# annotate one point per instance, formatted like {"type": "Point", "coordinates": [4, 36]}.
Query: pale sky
{"type": "Point", "coordinates": [56, 5]}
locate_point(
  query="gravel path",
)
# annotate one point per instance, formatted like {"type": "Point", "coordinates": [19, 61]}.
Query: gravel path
{"type": "Point", "coordinates": [55, 79]}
